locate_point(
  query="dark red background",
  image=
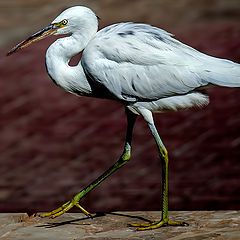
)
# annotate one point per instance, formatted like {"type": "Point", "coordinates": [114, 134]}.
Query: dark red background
{"type": "Point", "coordinates": [52, 144]}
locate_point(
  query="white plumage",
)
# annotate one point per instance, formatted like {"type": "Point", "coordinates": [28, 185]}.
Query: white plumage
{"type": "Point", "coordinates": [141, 66]}
{"type": "Point", "coordinates": [137, 64]}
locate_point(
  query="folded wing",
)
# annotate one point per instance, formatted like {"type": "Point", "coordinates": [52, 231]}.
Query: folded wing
{"type": "Point", "coordinates": [141, 62]}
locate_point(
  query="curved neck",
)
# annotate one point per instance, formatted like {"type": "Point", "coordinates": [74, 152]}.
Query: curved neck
{"type": "Point", "coordinates": [58, 56]}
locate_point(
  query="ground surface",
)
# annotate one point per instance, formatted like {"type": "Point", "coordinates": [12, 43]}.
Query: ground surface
{"type": "Point", "coordinates": [52, 143]}
{"type": "Point", "coordinates": [219, 225]}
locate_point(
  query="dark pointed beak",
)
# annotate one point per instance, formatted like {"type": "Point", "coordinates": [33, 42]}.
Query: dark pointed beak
{"type": "Point", "coordinates": [45, 32]}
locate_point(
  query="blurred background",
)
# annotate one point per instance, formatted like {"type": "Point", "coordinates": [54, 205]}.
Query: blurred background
{"type": "Point", "coordinates": [52, 144]}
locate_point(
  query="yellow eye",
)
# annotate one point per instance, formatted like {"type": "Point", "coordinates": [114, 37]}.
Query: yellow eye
{"type": "Point", "coordinates": [64, 22]}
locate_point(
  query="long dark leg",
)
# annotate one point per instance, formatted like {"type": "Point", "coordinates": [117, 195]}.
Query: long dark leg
{"type": "Point", "coordinates": [163, 154]}
{"type": "Point", "coordinates": [131, 118]}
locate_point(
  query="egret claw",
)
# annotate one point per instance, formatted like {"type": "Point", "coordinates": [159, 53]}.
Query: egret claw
{"type": "Point", "coordinates": [64, 208]}
{"type": "Point", "coordinates": [158, 224]}
{"type": "Point", "coordinates": [141, 224]}
{"type": "Point", "coordinates": [84, 211]}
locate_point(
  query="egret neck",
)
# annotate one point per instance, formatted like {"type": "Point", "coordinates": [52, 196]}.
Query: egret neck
{"type": "Point", "coordinates": [58, 56]}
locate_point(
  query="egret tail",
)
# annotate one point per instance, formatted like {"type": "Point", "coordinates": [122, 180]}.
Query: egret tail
{"type": "Point", "coordinates": [223, 72]}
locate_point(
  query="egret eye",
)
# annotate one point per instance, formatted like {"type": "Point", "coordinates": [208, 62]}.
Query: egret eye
{"type": "Point", "coordinates": [64, 22]}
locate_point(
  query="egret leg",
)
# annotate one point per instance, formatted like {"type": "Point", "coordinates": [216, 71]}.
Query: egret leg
{"type": "Point", "coordinates": [131, 118]}
{"type": "Point", "coordinates": [163, 154]}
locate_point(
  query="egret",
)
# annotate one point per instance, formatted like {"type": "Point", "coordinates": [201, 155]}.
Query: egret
{"type": "Point", "coordinates": [142, 67]}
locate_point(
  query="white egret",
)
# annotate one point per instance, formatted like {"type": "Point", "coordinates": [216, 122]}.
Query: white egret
{"type": "Point", "coordinates": [139, 65]}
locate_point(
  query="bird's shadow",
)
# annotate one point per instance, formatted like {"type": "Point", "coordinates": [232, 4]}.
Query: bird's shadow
{"type": "Point", "coordinates": [97, 215]}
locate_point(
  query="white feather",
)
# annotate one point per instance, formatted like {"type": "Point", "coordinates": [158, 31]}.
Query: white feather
{"type": "Point", "coordinates": [174, 103]}
{"type": "Point", "coordinates": [137, 64]}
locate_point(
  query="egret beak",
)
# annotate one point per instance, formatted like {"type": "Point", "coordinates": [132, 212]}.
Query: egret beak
{"type": "Point", "coordinates": [45, 32]}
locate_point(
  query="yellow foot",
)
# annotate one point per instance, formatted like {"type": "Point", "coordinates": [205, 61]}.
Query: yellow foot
{"type": "Point", "coordinates": [64, 208]}
{"type": "Point", "coordinates": [158, 224]}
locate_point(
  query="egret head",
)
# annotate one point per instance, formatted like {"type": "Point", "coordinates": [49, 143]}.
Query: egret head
{"type": "Point", "coordinates": [74, 19]}
{"type": "Point", "coordinates": [70, 21]}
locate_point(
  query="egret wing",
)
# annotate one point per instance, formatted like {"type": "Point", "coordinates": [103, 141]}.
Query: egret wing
{"type": "Point", "coordinates": [141, 62]}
